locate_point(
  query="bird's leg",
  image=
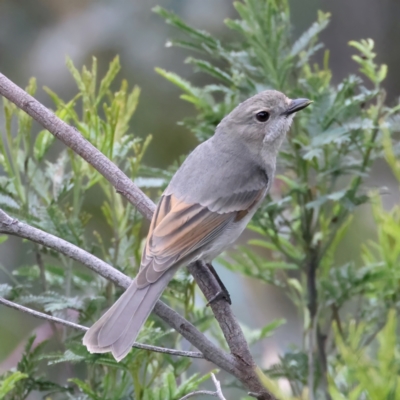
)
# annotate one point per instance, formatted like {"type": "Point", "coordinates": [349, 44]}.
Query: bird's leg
{"type": "Point", "coordinates": [223, 292]}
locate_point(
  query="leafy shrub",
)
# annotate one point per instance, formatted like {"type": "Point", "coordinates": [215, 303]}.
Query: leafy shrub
{"type": "Point", "coordinates": [322, 169]}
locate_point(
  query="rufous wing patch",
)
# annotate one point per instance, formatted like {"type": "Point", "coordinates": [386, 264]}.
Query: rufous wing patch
{"type": "Point", "coordinates": [179, 229]}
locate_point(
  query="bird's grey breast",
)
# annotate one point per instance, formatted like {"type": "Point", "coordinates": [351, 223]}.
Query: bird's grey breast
{"type": "Point", "coordinates": [215, 171]}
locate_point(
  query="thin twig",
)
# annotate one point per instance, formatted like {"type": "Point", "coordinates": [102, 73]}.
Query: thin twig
{"type": "Point", "coordinates": [218, 387]}
{"type": "Point", "coordinates": [50, 318]}
{"type": "Point", "coordinates": [199, 393]}
{"type": "Point", "coordinates": [218, 393]}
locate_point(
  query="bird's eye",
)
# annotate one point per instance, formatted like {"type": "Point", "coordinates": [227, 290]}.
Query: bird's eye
{"type": "Point", "coordinates": [262, 116]}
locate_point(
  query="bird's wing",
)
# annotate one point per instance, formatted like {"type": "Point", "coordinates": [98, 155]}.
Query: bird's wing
{"type": "Point", "coordinates": [178, 229]}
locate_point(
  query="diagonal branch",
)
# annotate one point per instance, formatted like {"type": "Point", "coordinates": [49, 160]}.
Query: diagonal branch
{"type": "Point", "coordinates": [241, 365]}
{"type": "Point", "coordinates": [37, 314]}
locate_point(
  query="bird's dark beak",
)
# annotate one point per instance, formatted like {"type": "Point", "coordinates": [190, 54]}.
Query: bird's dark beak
{"type": "Point", "coordinates": [296, 105]}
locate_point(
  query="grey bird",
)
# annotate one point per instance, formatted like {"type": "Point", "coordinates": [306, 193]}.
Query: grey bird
{"type": "Point", "coordinates": [204, 209]}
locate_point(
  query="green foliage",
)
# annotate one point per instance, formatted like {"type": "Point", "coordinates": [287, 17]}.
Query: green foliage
{"type": "Point", "coordinates": [254, 335]}
{"type": "Point", "coordinates": [321, 172]}
{"type": "Point", "coordinates": [28, 377]}
{"type": "Point", "coordinates": [364, 375]}
{"type": "Point", "coordinates": [296, 235]}
{"type": "Point", "coordinates": [374, 73]}
{"type": "Point", "coordinates": [8, 383]}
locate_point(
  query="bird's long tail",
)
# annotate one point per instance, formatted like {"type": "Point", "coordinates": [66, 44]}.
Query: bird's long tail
{"type": "Point", "coordinates": [117, 329]}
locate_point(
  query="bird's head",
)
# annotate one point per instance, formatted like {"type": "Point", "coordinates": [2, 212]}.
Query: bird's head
{"type": "Point", "coordinates": [262, 120]}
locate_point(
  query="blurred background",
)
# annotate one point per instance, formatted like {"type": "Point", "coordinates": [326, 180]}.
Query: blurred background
{"type": "Point", "coordinates": [36, 36]}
